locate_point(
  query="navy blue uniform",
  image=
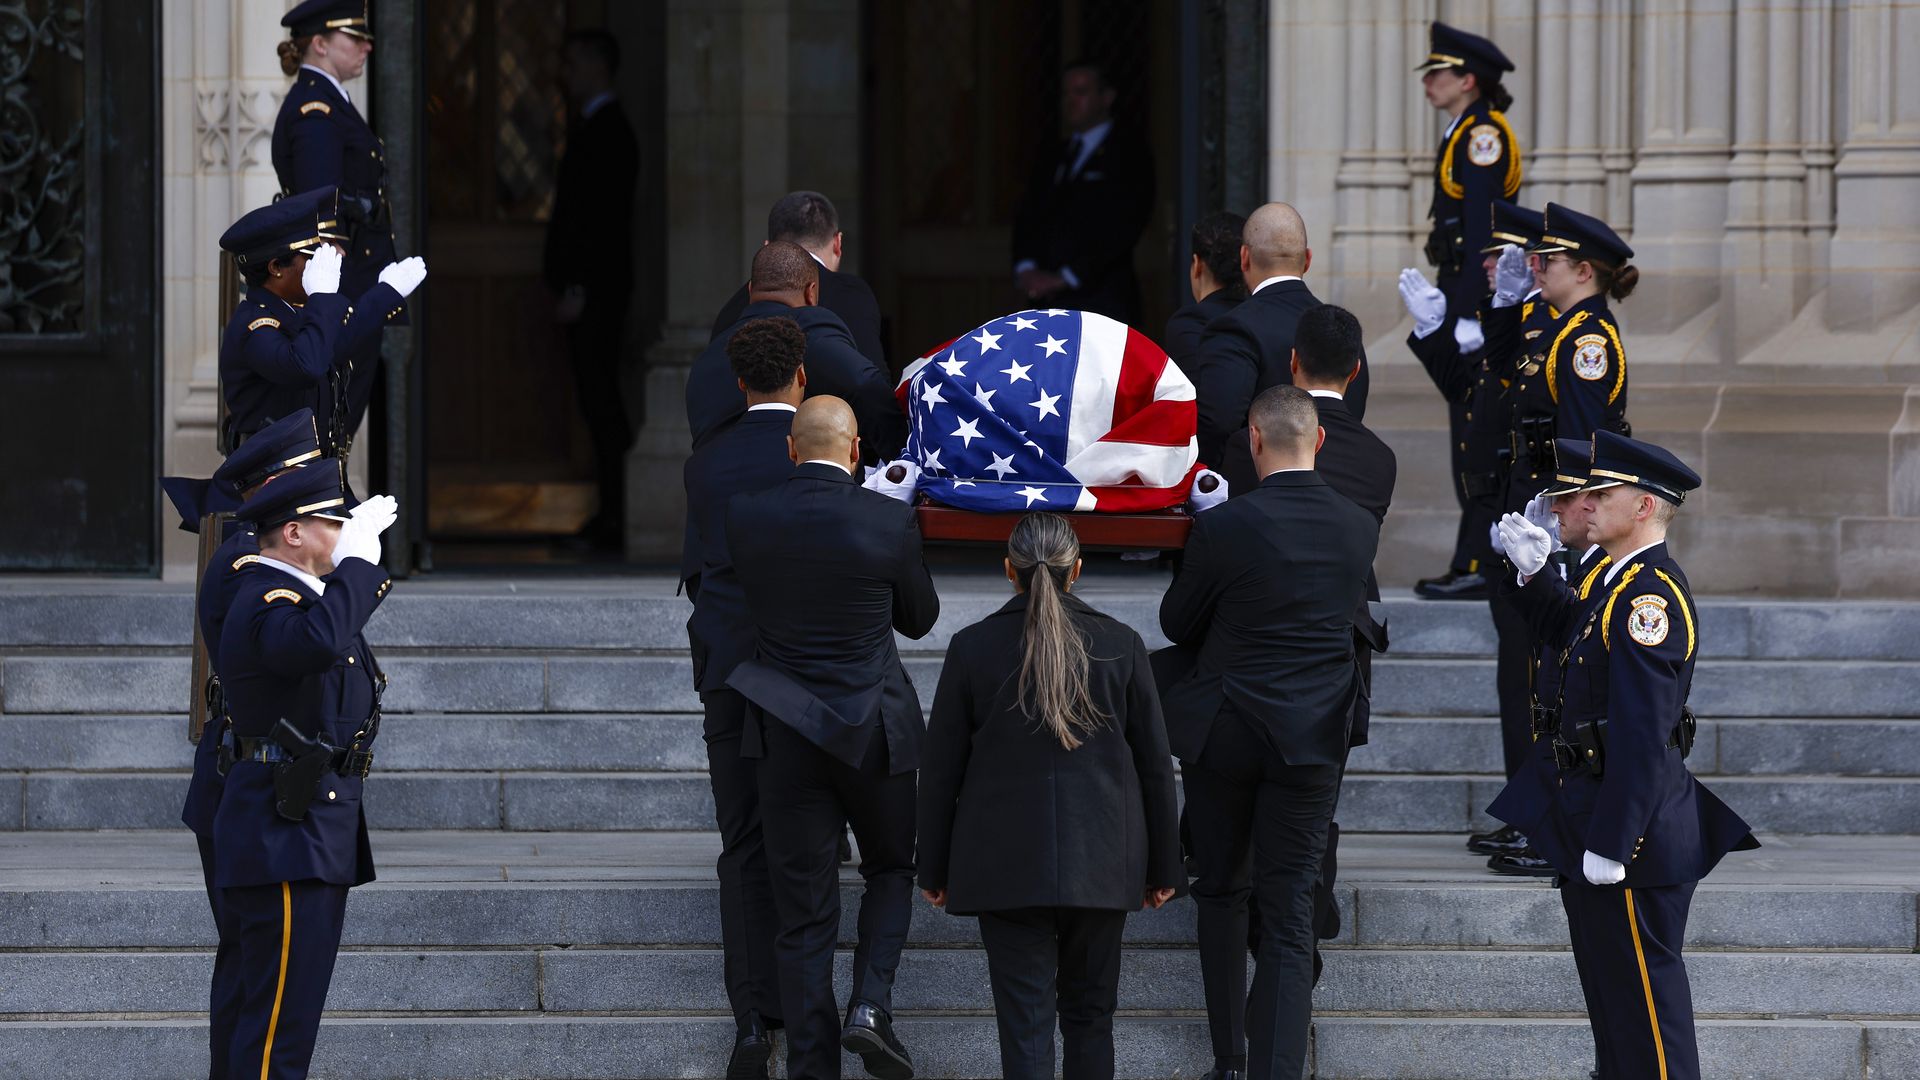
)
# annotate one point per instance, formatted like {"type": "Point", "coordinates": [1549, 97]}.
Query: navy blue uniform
{"type": "Point", "coordinates": [321, 140]}
{"type": "Point", "coordinates": [1478, 162]}
{"type": "Point", "coordinates": [286, 652]}
{"type": "Point", "coordinates": [276, 358]}
{"type": "Point", "coordinates": [1630, 663]}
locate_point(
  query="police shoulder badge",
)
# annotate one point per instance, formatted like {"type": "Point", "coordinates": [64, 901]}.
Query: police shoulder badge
{"type": "Point", "coordinates": [1483, 144]}
{"type": "Point", "coordinates": [245, 560]}
{"type": "Point", "coordinates": [1590, 356]}
{"type": "Point", "coordinates": [320, 107]}
{"type": "Point", "coordinates": [1647, 623]}
{"type": "Point", "coordinates": [289, 594]}
{"type": "Point", "coordinates": [264, 320]}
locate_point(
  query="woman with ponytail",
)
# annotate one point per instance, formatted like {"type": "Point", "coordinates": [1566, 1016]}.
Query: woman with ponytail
{"type": "Point", "coordinates": [1478, 161]}
{"type": "Point", "coordinates": [1047, 803]}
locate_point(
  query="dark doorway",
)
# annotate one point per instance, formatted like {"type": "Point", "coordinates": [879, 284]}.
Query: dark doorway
{"type": "Point", "coordinates": [79, 323]}
{"type": "Point", "coordinates": [962, 95]}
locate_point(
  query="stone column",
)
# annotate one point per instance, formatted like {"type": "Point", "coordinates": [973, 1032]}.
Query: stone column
{"type": "Point", "coordinates": [1566, 160]}
{"type": "Point", "coordinates": [1876, 242]}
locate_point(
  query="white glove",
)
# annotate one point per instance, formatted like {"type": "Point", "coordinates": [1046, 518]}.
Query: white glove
{"type": "Point", "coordinates": [322, 274]}
{"type": "Point", "coordinates": [1540, 511]}
{"type": "Point", "coordinates": [1198, 500]}
{"type": "Point", "coordinates": [1468, 335]}
{"type": "Point", "coordinates": [405, 275]}
{"type": "Point", "coordinates": [1426, 304]}
{"type": "Point", "coordinates": [1493, 537]}
{"type": "Point", "coordinates": [1511, 278]}
{"type": "Point", "coordinates": [360, 536]}
{"type": "Point", "coordinates": [1527, 545]}
{"type": "Point", "coordinates": [1601, 870]}
{"type": "Point", "coordinates": [901, 489]}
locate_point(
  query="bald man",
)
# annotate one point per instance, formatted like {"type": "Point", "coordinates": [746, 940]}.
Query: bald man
{"type": "Point", "coordinates": [1250, 348]}
{"type": "Point", "coordinates": [830, 570]}
{"type": "Point", "coordinates": [786, 281]}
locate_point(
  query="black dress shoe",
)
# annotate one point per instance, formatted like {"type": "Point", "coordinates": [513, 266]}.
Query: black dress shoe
{"type": "Point", "coordinates": [1217, 1073]}
{"type": "Point", "coordinates": [1526, 863]}
{"type": "Point", "coordinates": [1504, 841]}
{"type": "Point", "coordinates": [752, 1049]}
{"type": "Point", "coordinates": [869, 1033]}
{"type": "Point", "coordinates": [1453, 585]}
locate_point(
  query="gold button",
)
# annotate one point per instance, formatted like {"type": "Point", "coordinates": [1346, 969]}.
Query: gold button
{"type": "Point", "coordinates": [332, 795]}
{"type": "Point", "coordinates": [349, 659]}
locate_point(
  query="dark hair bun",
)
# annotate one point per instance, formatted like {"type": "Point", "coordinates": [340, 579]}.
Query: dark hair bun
{"type": "Point", "coordinates": [290, 53]}
{"type": "Point", "coordinates": [1624, 279]}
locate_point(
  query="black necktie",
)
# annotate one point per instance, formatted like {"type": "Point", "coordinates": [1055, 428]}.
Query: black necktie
{"type": "Point", "coordinates": [1072, 164]}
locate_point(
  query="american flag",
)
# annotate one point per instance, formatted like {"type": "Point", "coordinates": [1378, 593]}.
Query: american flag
{"type": "Point", "coordinates": [1051, 410]}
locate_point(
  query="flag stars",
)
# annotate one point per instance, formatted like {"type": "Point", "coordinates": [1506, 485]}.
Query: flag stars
{"type": "Point", "coordinates": [932, 462]}
{"type": "Point", "coordinates": [1033, 495]}
{"type": "Point", "coordinates": [1017, 372]}
{"type": "Point", "coordinates": [1002, 467]}
{"type": "Point", "coordinates": [988, 340]}
{"type": "Point", "coordinates": [1021, 322]}
{"type": "Point", "coordinates": [983, 396]}
{"type": "Point", "coordinates": [1054, 346]}
{"type": "Point", "coordinates": [969, 431]}
{"type": "Point", "coordinates": [1047, 404]}
{"type": "Point", "coordinates": [1050, 312]}
{"type": "Point", "coordinates": [953, 366]}
{"type": "Point", "coordinates": [930, 394]}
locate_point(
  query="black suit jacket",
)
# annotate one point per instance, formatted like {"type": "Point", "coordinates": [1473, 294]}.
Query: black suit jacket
{"type": "Point", "coordinates": [1186, 326]}
{"type": "Point", "coordinates": [1247, 350]}
{"type": "Point", "coordinates": [1008, 817]}
{"type": "Point", "coordinates": [1089, 222]}
{"type": "Point", "coordinates": [749, 456]}
{"type": "Point", "coordinates": [1263, 606]}
{"type": "Point", "coordinates": [1356, 463]}
{"type": "Point", "coordinates": [590, 236]}
{"type": "Point", "coordinates": [843, 294]}
{"type": "Point", "coordinates": [834, 365]}
{"type": "Point", "coordinates": [830, 570]}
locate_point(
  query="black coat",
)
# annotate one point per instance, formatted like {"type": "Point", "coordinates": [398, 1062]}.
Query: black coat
{"type": "Point", "coordinates": [1356, 463]}
{"type": "Point", "coordinates": [1009, 818]}
{"type": "Point", "coordinates": [1186, 327]}
{"type": "Point", "coordinates": [590, 237]}
{"type": "Point", "coordinates": [1089, 222]}
{"type": "Point", "coordinates": [751, 455]}
{"type": "Point", "coordinates": [834, 366]}
{"type": "Point", "coordinates": [1247, 350]}
{"type": "Point", "coordinates": [830, 570]}
{"type": "Point", "coordinates": [843, 294]}
{"type": "Point", "coordinates": [321, 140]}
{"type": "Point", "coordinates": [1262, 614]}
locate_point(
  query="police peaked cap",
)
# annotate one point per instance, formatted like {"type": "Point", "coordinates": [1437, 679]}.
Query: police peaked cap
{"type": "Point", "coordinates": [1449, 48]}
{"type": "Point", "coordinates": [1620, 460]}
{"type": "Point", "coordinates": [316, 489]}
{"type": "Point", "coordinates": [290, 441]}
{"type": "Point", "coordinates": [1571, 460]}
{"type": "Point", "coordinates": [297, 223]}
{"type": "Point", "coordinates": [1581, 235]}
{"type": "Point", "coordinates": [320, 16]}
{"type": "Point", "coordinates": [1513, 224]}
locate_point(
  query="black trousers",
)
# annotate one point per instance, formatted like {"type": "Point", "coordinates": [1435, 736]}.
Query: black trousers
{"type": "Point", "coordinates": [1512, 677]}
{"type": "Point", "coordinates": [1626, 943]}
{"type": "Point", "coordinates": [288, 936]}
{"type": "Point", "coordinates": [1259, 830]}
{"type": "Point", "coordinates": [747, 920]}
{"type": "Point", "coordinates": [594, 344]}
{"type": "Point", "coordinates": [1471, 536]}
{"type": "Point", "coordinates": [1047, 962]}
{"type": "Point", "coordinates": [223, 1000]}
{"type": "Point", "coordinates": [807, 798]}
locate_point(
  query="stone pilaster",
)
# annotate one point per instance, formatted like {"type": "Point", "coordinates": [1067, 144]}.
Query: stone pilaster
{"type": "Point", "coordinates": [1876, 242]}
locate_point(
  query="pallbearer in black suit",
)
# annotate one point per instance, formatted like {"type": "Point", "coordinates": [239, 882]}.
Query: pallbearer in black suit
{"type": "Point", "coordinates": [1478, 160]}
{"type": "Point", "coordinates": [1087, 203]}
{"type": "Point", "coordinates": [1047, 804]}
{"type": "Point", "coordinates": [292, 343]}
{"type": "Point", "coordinates": [588, 263]}
{"type": "Point", "coordinates": [287, 444]}
{"type": "Point", "coordinates": [750, 455]}
{"type": "Point", "coordinates": [830, 571]}
{"type": "Point", "coordinates": [1214, 279]}
{"type": "Point", "coordinates": [304, 694]}
{"type": "Point", "coordinates": [807, 218]}
{"type": "Point", "coordinates": [1248, 349]}
{"type": "Point", "coordinates": [1616, 812]}
{"type": "Point", "coordinates": [1265, 598]}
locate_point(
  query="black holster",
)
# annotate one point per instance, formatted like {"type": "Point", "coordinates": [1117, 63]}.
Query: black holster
{"type": "Point", "coordinates": [297, 781]}
{"type": "Point", "coordinates": [1444, 247]}
{"type": "Point", "coordinates": [1589, 746]}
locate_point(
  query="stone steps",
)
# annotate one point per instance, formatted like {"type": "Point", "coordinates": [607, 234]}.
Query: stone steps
{"type": "Point", "coordinates": [957, 1047]}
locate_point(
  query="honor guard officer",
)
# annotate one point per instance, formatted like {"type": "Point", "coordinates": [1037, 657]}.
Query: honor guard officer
{"type": "Point", "coordinates": [204, 504]}
{"type": "Point", "coordinates": [1479, 160]}
{"type": "Point", "coordinates": [292, 340]}
{"type": "Point", "coordinates": [1615, 811]}
{"type": "Point", "coordinates": [303, 692]}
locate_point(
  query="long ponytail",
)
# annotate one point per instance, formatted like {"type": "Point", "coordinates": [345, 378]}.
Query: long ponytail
{"type": "Point", "coordinates": [1054, 662]}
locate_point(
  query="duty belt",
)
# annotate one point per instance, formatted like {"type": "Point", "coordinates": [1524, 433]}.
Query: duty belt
{"type": "Point", "coordinates": [1591, 750]}
{"type": "Point", "coordinates": [352, 763]}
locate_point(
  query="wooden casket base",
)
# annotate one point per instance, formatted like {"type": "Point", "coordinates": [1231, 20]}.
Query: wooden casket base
{"type": "Point", "coordinates": [1162, 530]}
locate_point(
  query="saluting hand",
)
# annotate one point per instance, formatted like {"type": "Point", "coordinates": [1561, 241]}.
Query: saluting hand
{"type": "Point", "coordinates": [1427, 304]}
{"type": "Point", "coordinates": [1540, 512]}
{"type": "Point", "coordinates": [322, 274]}
{"type": "Point", "coordinates": [360, 536]}
{"type": "Point", "coordinates": [1527, 544]}
{"type": "Point", "coordinates": [1512, 277]}
{"type": "Point", "coordinates": [405, 275]}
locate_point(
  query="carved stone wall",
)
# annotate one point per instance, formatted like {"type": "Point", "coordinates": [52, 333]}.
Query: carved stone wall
{"type": "Point", "coordinates": [1762, 156]}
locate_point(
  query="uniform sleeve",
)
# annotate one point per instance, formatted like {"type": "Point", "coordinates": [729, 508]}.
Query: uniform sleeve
{"type": "Point", "coordinates": [916, 604]}
{"type": "Point", "coordinates": [943, 767]}
{"type": "Point", "coordinates": [302, 358]}
{"type": "Point", "coordinates": [1649, 635]}
{"type": "Point", "coordinates": [1480, 165]}
{"type": "Point", "coordinates": [1546, 601]}
{"type": "Point", "coordinates": [1439, 354]}
{"type": "Point", "coordinates": [1187, 608]}
{"type": "Point", "coordinates": [1153, 762]}
{"type": "Point", "coordinates": [317, 151]}
{"type": "Point", "coordinates": [1589, 378]}
{"type": "Point", "coordinates": [296, 641]}
{"type": "Point", "coordinates": [1502, 333]}
{"type": "Point", "coordinates": [1223, 386]}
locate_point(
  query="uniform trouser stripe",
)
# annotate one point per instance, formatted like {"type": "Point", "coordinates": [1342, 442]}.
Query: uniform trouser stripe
{"type": "Point", "coordinates": [1646, 984]}
{"type": "Point", "coordinates": [286, 947]}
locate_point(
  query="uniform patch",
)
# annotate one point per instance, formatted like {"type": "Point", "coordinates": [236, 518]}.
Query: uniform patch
{"type": "Point", "coordinates": [289, 594]}
{"type": "Point", "coordinates": [1483, 144]}
{"type": "Point", "coordinates": [245, 560]}
{"type": "Point", "coordinates": [1590, 357]}
{"type": "Point", "coordinates": [1531, 334]}
{"type": "Point", "coordinates": [1648, 623]}
{"type": "Point", "coordinates": [264, 320]}
{"type": "Point", "coordinates": [320, 107]}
